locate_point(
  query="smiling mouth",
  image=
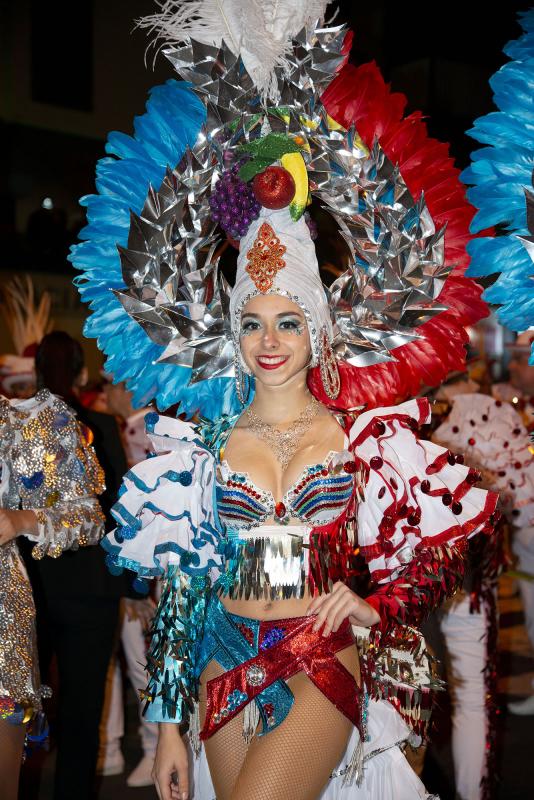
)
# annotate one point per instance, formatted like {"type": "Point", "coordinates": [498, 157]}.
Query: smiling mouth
{"type": "Point", "coordinates": [271, 362]}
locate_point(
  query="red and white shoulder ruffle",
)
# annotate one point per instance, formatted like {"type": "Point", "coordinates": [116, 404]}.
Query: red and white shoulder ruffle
{"type": "Point", "coordinates": [417, 494]}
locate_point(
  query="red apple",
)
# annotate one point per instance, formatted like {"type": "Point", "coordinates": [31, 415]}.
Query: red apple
{"type": "Point", "coordinates": [274, 187]}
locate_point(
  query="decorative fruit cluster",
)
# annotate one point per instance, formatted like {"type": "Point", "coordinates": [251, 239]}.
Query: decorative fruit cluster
{"type": "Point", "coordinates": [233, 204]}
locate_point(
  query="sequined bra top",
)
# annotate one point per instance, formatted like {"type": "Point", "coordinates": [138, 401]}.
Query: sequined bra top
{"type": "Point", "coordinates": [319, 496]}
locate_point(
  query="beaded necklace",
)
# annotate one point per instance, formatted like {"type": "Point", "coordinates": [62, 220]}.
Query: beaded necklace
{"type": "Point", "coordinates": [284, 443]}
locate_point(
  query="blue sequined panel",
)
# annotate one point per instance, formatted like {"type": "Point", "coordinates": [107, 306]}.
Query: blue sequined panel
{"type": "Point", "coordinates": [319, 496]}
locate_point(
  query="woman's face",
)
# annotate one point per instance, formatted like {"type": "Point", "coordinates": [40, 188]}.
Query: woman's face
{"type": "Point", "coordinates": [274, 339]}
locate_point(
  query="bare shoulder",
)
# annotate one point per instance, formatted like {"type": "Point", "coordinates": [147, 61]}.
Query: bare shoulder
{"type": "Point", "coordinates": [326, 428]}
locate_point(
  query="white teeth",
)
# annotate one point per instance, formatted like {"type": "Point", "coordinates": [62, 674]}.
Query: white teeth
{"type": "Point", "coordinates": [272, 359]}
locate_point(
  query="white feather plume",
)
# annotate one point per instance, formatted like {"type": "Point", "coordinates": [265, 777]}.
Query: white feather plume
{"type": "Point", "coordinates": [259, 30]}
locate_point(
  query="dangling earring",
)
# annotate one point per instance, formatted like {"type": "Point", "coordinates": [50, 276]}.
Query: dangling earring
{"type": "Point", "coordinates": [329, 369]}
{"type": "Point", "coordinates": [242, 381]}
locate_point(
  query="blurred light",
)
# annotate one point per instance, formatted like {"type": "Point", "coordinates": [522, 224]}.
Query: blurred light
{"type": "Point", "coordinates": [47, 203]}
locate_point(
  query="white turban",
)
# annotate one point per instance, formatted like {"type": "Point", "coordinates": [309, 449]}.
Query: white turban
{"type": "Point", "coordinates": [292, 272]}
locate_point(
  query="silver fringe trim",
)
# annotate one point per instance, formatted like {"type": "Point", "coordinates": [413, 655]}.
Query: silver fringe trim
{"type": "Point", "coordinates": [251, 720]}
{"type": "Point", "coordinates": [194, 730]}
{"type": "Point", "coordinates": [354, 770]}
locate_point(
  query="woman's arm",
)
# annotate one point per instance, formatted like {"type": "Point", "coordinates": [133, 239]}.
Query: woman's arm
{"type": "Point", "coordinates": [67, 513]}
{"type": "Point", "coordinates": [171, 765]}
{"type": "Point", "coordinates": [15, 522]}
{"type": "Point", "coordinates": [417, 509]}
{"type": "Point", "coordinates": [57, 478]}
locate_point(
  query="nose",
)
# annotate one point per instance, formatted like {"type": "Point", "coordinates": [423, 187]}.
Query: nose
{"type": "Point", "coordinates": [270, 338]}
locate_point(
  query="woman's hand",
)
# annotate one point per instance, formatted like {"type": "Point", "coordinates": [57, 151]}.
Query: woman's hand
{"type": "Point", "coordinates": [331, 609]}
{"type": "Point", "coordinates": [171, 766]}
{"type": "Point", "coordinates": [13, 522]}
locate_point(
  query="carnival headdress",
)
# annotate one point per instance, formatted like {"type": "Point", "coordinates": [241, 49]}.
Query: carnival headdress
{"type": "Point", "coordinates": [256, 108]}
{"type": "Point", "coordinates": [501, 176]}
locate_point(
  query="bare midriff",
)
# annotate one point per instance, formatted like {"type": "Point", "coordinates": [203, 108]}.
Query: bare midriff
{"type": "Point", "coordinates": [268, 610]}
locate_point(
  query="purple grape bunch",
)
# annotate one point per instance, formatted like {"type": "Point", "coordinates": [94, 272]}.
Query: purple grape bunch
{"type": "Point", "coordinates": [233, 203]}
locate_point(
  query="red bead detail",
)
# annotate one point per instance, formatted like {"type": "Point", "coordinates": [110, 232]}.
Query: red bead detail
{"type": "Point", "coordinates": [459, 458]}
{"type": "Point", "coordinates": [425, 487]}
{"type": "Point", "coordinates": [451, 458]}
{"type": "Point", "coordinates": [502, 473]}
{"type": "Point", "coordinates": [455, 429]}
{"type": "Point", "coordinates": [280, 510]}
{"type": "Point", "coordinates": [472, 422]}
{"type": "Point", "coordinates": [517, 465]}
{"type": "Point", "coordinates": [350, 467]}
{"type": "Point", "coordinates": [446, 498]}
{"type": "Point", "coordinates": [387, 526]}
{"type": "Point", "coordinates": [498, 403]}
{"type": "Point", "coordinates": [456, 508]}
{"type": "Point", "coordinates": [324, 472]}
{"type": "Point", "coordinates": [414, 518]}
{"type": "Point", "coordinates": [472, 477]}
{"type": "Point", "coordinates": [505, 444]}
{"type": "Point", "coordinates": [378, 429]}
{"type": "Point", "coordinates": [382, 492]}
{"type": "Point", "coordinates": [471, 441]}
{"type": "Point", "coordinates": [485, 417]}
{"type": "Point", "coordinates": [516, 431]}
{"type": "Point", "coordinates": [376, 462]}
{"type": "Point", "coordinates": [394, 483]}
{"type": "Point", "coordinates": [512, 485]}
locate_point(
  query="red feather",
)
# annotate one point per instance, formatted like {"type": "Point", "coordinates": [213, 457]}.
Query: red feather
{"type": "Point", "coordinates": [359, 96]}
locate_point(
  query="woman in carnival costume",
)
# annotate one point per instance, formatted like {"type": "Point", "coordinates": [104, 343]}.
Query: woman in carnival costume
{"type": "Point", "coordinates": [290, 522]}
{"type": "Point", "coordinates": [49, 481]}
{"type": "Point", "coordinates": [501, 176]}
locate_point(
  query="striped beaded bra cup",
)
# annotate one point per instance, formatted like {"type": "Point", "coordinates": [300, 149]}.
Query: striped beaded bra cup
{"type": "Point", "coordinates": [318, 497]}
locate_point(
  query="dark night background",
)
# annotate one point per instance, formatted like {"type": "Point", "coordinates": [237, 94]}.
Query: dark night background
{"type": "Point", "coordinates": [74, 70]}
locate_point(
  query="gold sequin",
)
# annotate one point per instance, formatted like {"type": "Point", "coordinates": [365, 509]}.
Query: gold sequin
{"type": "Point", "coordinates": [265, 258]}
{"type": "Point", "coordinates": [18, 657]}
{"type": "Point", "coordinates": [46, 468]}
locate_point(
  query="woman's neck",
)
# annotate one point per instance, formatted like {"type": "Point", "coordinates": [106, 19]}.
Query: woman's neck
{"type": "Point", "coordinates": [280, 405]}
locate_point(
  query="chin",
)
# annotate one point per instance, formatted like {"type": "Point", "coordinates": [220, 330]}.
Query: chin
{"type": "Point", "coordinates": [276, 378]}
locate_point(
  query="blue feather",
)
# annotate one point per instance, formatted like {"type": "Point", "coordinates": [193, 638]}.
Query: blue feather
{"type": "Point", "coordinates": [172, 121]}
{"type": "Point", "coordinates": [498, 176]}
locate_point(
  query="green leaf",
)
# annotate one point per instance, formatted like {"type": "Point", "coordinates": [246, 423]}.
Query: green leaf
{"type": "Point", "coordinates": [251, 168]}
{"type": "Point", "coordinates": [271, 147]}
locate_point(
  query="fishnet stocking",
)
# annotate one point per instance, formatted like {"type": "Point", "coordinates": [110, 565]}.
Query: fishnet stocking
{"type": "Point", "coordinates": [11, 748]}
{"type": "Point", "coordinates": [295, 760]}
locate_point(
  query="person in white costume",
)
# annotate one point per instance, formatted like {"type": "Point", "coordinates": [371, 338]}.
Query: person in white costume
{"type": "Point", "coordinates": [519, 391]}
{"type": "Point", "coordinates": [136, 616]}
{"type": "Point", "coordinates": [495, 441]}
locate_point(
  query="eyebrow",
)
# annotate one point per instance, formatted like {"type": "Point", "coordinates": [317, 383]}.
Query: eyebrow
{"type": "Point", "coordinates": [278, 316]}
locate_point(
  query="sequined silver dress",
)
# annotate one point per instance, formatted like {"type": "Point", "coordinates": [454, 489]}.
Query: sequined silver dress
{"type": "Point", "coordinates": [46, 465]}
